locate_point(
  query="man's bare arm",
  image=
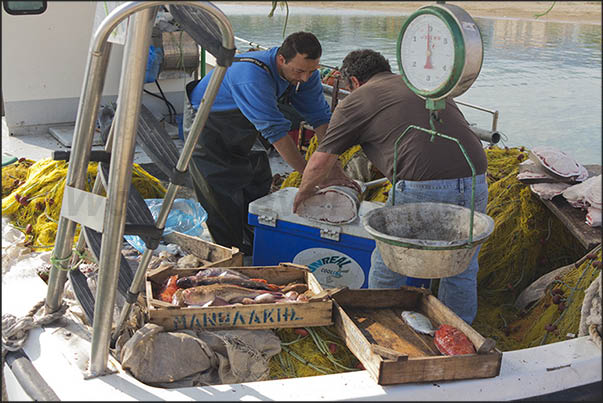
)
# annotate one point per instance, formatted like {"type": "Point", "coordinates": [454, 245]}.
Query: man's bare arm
{"type": "Point", "coordinates": [288, 150]}
{"type": "Point", "coordinates": [320, 131]}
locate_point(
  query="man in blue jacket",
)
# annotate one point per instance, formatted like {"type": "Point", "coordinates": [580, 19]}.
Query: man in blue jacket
{"type": "Point", "coordinates": [227, 174]}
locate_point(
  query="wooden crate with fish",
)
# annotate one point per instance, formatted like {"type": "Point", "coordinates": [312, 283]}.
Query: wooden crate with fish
{"type": "Point", "coordinates": [408, 335]}
{"type": "Point", "coordinates": [246, 297]}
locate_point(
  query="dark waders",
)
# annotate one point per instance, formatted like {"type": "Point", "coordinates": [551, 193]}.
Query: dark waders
{"type": "Point", "coordinates": [227, 175]}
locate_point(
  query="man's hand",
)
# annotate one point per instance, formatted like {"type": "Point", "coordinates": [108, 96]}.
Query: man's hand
{"type": "Point", "coordinates": [301, 196]}
{"type": "Point", "coordinates": [337, 177]}
{"type": "Point", "coordinates": [341, 181]}
{"type": "Point", "coordinates": [314, 174]}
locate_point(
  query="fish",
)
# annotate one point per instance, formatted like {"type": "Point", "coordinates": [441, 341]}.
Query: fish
{"type": "Point", "coordinates": [204, 295]}
{"type": "Point", "coordinates": [219, 271]}
{"type": "Point", "coordinates": [226, 278]}
{"type": "Point", "coordinates": [170, 288]}
{"type": "Point", "coordinates": [451, 341]}
{"type": "Point", "coordinates": [418, 322]}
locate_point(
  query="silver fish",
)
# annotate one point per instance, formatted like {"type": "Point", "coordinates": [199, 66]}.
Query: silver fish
{"type": "Point", "coordinates": [219, 271]}
{"type": "Point", "coordinates": [418, 322]}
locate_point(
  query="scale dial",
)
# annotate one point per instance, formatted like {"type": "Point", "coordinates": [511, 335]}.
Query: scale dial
{"type": "Point", "coordinates": [427, 52]}
{"type": "Point", "coordinates": [440, 51]}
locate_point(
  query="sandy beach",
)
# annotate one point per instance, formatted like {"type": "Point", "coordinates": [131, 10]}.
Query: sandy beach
{"type": "Point", "coordinates": [562, 11]}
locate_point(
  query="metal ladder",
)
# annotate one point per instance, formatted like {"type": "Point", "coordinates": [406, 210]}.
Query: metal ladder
{"type": "Point", "coordinates": [104, 220]}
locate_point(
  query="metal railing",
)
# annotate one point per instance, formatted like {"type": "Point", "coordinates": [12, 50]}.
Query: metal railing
{"type": "Point", "coordinates": [120, 173]}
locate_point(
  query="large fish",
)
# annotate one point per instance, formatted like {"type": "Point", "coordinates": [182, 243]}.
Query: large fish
{"type": "Point", "coordinates": [206, 295]}
{"type": "Point", "coordinates": [196, 280]}
{"type": "Point", "coordinates": [451, 341]}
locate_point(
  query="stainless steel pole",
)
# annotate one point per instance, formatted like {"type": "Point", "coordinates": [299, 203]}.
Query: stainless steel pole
{"type": "Point", "coordinates": [78, 167]}
{"type": "Point", "coordinates": [120, 177]}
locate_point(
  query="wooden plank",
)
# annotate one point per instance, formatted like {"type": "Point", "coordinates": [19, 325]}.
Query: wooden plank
{"type": "Point", "coordinates": [574, 218]}
{"type": "Point", "coordinates": [405, 297]}
{"type": "Point", "coordinates": [313, 284]}
{"type": "Point", "coordinates": [256, 316]}
{"type": "Point", "coordinates": [356, 341]}
{"type": "Point", "coordinates": [386, 328]}
{"type": "Point", "coordinates": [295, 265]}
{"type": "Point", "coordinates": [149, 295]}
{"type": "Point", "coordinates": [440, 368]}
{"type": "Point", "coordinates": [161, 304]}
{"type": "Point", "coordinates": [388, 353]}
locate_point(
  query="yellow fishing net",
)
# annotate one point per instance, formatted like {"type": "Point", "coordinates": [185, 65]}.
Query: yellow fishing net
{"type": "Point", "coordinates": [527, 242]}
{"type": "Point", "coordinates": [32, 194]}
{"type": "Point", "coordinates": [318, 351]}
{"type": "Point", "coordinates": [552, 319]}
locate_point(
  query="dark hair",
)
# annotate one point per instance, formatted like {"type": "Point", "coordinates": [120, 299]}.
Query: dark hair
{"type": "Point", "coordinates": [304, 43]}
{"type": "Point", "coordinates": [363, 64]}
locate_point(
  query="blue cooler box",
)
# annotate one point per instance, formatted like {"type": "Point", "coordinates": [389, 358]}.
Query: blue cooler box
{"type": "Point", "coordinates": [337, 255]}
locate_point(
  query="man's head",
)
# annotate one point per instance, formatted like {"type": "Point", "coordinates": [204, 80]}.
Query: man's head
{"type": "Point", "coordinates": [360, 65]}
{"type": "Point", "coordinates": [298, 57]}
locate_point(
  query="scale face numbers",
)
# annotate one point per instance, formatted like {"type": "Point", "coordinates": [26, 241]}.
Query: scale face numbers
{"type": "Point", "coordinates": [427, 52]}
{"type": "Point", "coordinates": [440, 51]}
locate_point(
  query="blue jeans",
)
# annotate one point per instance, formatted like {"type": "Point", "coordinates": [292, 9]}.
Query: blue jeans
{"type": "Point", "coordinates": [459, 292]}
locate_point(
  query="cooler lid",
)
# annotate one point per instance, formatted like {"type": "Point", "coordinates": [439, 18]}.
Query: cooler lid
{"type": "Point", "coordinates": [280, 204]}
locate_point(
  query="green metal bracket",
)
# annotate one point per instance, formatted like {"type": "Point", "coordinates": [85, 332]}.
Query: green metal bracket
{"type": "Point", "coordinates": [202, 62]}
{"type": "Point", "coordinates": [434, 105]}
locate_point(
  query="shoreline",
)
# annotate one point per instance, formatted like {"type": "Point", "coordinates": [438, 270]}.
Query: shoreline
{"type": "Point", "coordinates": [581, 12]}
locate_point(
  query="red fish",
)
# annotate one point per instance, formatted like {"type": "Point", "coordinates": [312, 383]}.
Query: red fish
{"type": "Point", "coordinates": [170, 288]}
{"type": "Point", "coordinates": [451, 341]}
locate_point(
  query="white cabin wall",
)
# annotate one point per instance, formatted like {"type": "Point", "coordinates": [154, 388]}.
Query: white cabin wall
{"type": "Point", "coordinates": [43, 63]}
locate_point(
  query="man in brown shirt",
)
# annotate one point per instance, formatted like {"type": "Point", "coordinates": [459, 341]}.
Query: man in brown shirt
{"type": "Point", "coordinates": [378, 110]}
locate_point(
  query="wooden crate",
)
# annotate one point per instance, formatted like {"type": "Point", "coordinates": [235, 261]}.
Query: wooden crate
{"type": "Point", "coordinates": [316, 312]}
{"type": "Point", "coordinates": [211, 254]}
{"type": "Point", "coordinates": [370, 322]}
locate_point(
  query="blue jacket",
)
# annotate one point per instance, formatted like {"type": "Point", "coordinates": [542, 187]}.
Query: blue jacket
{"type": "Point", "coordinates": [254, 92]}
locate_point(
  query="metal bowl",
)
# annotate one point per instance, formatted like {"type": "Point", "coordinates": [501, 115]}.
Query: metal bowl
{"type": "Point", "coordinates": [427, 240]}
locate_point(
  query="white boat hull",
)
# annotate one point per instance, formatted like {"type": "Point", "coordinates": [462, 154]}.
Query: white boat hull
{"type": "Point", "coordinates": [60, 356]}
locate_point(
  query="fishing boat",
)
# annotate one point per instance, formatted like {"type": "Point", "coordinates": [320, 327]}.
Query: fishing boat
{"type": "Point", "coordinates": [45, 62]}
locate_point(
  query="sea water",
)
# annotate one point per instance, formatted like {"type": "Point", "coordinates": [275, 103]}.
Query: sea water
{"type": "Point", "coordinates": [543, 78]}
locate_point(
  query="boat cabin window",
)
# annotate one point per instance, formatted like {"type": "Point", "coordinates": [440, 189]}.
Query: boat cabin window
{"type": "Point", "coordinates": [24, 7]}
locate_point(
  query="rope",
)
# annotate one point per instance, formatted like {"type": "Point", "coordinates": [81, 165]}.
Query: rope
{"type": "Point", "coordinates": [15, 331]}
{"type": "Point", "coordinates": [590, 315]}
{"type": "Point", "coordinates": [594, 335]}
{"type": "Point", "coordinates": [56, 262]}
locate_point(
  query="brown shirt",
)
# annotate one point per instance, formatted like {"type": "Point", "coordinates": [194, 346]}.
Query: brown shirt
{"type": "Point", "coordinates": [378, 112]}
